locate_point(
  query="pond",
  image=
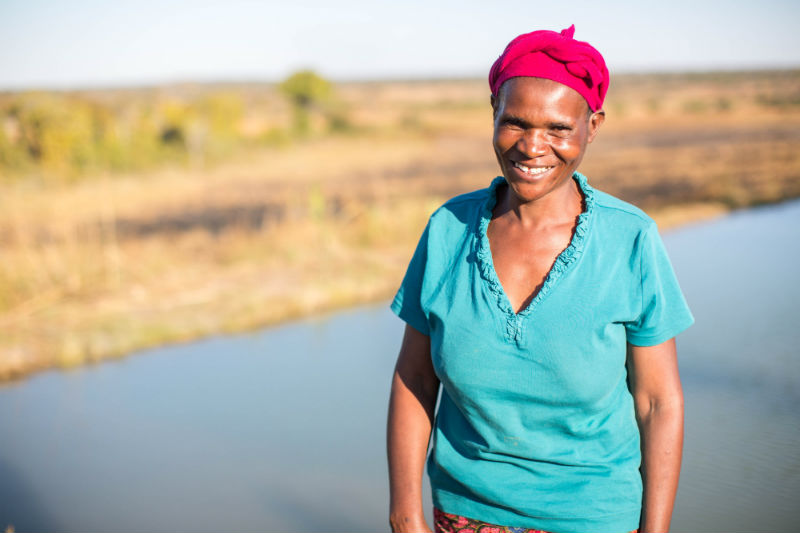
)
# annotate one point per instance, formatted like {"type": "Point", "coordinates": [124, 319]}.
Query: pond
{"type": "Point", "coordinates": [283, 429]}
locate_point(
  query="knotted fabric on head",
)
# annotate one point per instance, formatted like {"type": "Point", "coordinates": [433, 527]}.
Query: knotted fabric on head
{"type": "Point", "coordinates": [557, 57]}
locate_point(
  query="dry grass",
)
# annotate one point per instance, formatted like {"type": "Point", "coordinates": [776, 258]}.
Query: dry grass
{"type": "Point", "coordinates": [102, 267]}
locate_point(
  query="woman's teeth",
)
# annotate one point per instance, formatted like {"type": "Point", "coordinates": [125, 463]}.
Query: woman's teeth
{"type": "Point", "coordinates": [531, 171]}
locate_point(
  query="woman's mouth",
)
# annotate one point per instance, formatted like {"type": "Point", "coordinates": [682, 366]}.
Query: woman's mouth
{"type": "Point", "coordinates": [531, 171]}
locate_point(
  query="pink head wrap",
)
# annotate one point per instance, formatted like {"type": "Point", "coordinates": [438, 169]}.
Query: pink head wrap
{"type": "Point", "coordinates": [557, 57]}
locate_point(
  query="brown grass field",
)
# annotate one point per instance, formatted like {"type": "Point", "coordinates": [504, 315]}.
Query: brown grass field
{"type": "Point", "coordinates": [95, 268]}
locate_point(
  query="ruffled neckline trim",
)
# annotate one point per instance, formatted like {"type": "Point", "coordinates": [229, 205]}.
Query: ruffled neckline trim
{"type": "Point", "coordinates": [562, 263]}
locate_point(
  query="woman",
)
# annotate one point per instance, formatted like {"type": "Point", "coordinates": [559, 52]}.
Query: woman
{"type": "Point", "coordinates": [547, 311]}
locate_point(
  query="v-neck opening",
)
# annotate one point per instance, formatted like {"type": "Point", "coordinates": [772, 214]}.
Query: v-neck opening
{"type": "Point", "coordinates": [563, 262]}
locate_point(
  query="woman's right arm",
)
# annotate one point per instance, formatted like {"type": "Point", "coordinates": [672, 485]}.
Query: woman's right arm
{"type": "Point", "coordinates": [411, 411]}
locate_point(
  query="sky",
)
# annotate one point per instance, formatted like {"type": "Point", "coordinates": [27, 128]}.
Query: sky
{"type": "Point", "coordinates": [100, 43]}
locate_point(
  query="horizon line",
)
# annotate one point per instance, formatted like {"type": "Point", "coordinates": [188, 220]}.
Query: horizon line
{"type": "Point", "coordinates": [345, 80]}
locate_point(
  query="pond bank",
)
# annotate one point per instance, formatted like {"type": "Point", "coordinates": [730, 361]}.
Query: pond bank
{"type": "Point", "coordinates": [336, 276]}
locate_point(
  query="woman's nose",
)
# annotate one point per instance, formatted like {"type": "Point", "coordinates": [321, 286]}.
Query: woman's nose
{"type": "Point", "coordinates": [533, 143]}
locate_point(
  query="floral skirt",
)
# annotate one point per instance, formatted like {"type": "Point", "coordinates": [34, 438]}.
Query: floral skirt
{"type": "Point", "coordinates": [452, 523]}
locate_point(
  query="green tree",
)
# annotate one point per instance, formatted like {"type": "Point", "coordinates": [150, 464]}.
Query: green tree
{"type": "Point", "coordinates": [306, 90]}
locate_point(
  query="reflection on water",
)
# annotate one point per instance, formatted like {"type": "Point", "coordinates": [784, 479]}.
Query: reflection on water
{"type": "Point", "coordinates": [284, 429]}
{"type": "Point", "coordinates": [741, 371]}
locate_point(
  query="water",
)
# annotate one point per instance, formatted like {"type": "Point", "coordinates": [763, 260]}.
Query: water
{"type": "Point", "coordinates": [740, 366]}
{"type": "Point", "coordinates": [283, 430]}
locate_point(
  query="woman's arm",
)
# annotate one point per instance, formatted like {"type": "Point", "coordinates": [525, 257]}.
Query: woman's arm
{"type": "Point", "coordinates": [658, 398]}
{"type": "Point", "coordinates": [411, 407]}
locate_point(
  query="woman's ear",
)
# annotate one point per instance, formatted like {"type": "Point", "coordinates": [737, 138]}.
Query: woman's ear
{"type": "Point", "coordinates": [595, 121]}
{"type": "Point", "coordinates": [493, 101]}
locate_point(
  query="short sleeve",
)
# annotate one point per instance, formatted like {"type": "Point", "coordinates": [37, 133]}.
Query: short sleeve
{"type": "Point", "coordinates": [407, 303]}
{"type": "Point", "coordinates": [664, 312]}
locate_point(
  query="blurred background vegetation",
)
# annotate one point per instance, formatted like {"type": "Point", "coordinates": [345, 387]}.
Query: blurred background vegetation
{"type": "Point", "coordinates": [66, 136]}
{"type": "Point", "coordinates": [134, 217]}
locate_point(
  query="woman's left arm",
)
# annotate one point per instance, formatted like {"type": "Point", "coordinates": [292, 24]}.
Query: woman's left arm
{"type": "Point", "coordinates": [658, 399]}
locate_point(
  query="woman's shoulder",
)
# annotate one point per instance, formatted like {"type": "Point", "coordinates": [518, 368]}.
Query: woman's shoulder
{"type": "Point", "coordinates": [620, 214]}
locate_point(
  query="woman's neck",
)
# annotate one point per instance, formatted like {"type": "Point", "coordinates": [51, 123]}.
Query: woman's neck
{"type": "Point", "coordinates": [560, 205]}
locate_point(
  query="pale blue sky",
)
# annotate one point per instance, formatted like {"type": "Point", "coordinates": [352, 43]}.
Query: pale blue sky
{"type": "Point", "coordinates": [78, 43]}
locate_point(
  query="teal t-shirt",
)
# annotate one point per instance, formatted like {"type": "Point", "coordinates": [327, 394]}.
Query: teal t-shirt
{"type": "Point", "coordinates": [535, 426]}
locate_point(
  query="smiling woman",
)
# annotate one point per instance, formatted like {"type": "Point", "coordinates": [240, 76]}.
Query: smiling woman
{"type": "Point", "coordinates": [540, 135]}
{"type": "Point", "coordinates": [545, 311]}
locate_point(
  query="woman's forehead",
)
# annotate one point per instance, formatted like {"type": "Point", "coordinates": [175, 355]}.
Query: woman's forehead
{"type": "Point", "coordinates": [527, 94]}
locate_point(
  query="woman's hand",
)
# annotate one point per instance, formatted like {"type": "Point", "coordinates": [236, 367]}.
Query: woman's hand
{"type": "Point", "coordinates": [408, 524]}
{"type": "Point", "coordinates": [411, 409]}
{"type": "Point", "coordinates": [658, 398]}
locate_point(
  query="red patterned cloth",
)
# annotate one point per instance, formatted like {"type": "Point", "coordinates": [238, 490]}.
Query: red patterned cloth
{"type": "Point", "coordinates": [452, 523]}
{"type": "Point", "coordinates": [557, 57]}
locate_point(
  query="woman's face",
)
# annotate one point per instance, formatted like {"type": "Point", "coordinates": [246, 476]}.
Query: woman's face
{"type": "Point", "coordinates": [541, 129]}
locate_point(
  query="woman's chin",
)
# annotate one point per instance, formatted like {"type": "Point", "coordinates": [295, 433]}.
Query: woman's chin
{"type": "Point", "coordinates": [526, 189]}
